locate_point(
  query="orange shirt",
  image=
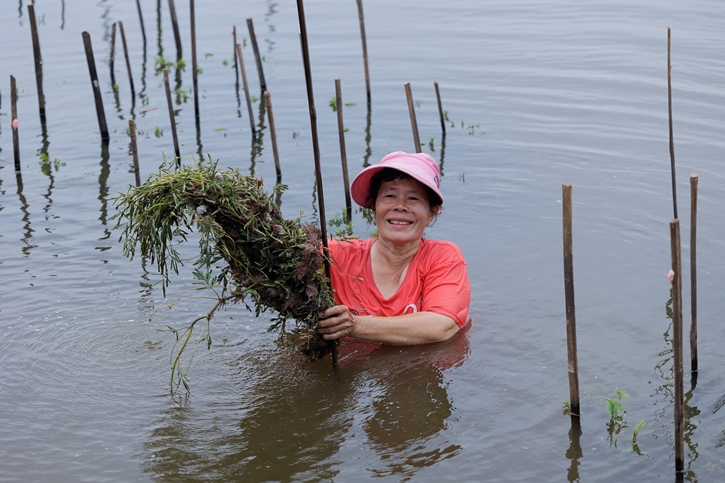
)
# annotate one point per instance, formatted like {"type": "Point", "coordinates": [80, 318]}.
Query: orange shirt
{"type": "Point", "coordinates": [436, 281]}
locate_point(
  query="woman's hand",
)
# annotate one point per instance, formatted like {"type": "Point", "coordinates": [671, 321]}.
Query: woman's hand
{"type": "Point", "coordinates": [337, 322]}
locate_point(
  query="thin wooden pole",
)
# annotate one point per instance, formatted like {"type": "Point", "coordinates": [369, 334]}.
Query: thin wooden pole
{"type": "Point", "coordinates": [413, 122]}
{"type": "Point", "coordinates": [440, 108]}
{"type": "Point", "coordinates": [112, 56]}
{"type": "Point", "coordinates": [14, 124]}
{"type": "Point", "coordinates": [175, 24]}
{"type": "Point", "coordinates": [343, 151]}
{"type": "Point", "coordinates": [677, 344]}
{"type": "Point", "coordinates": [693, 275]}
{"type": "Point", "coordinates": [273, 134]}
{"type": "Point", "coordinates": [361, 17]}
{"type": "Point", "coordinates": [194, 74]}
{"type": "Point", "coordinates": [571, 345]}
{"type": "Point", "coordinates": [38, 61]}
{"type": "Point", "coordinates": [246, 89]}
{"type": "Point", "coordinates": [134, 150]}
{"type": "Point", "coordinates": [172, 118]}
{"type": "Point", "coordinates": [100, 113]}
{"type": "Point", "coordinates": [257, 57]}
{"type": "Point", "coordinates": [140, 18]}
{"type": "Point", "coordinates": [672, 142]}
{"type": "Point", "coordinates": [125, 55]}
{"type": "Point", "coordinates": [315, 147]}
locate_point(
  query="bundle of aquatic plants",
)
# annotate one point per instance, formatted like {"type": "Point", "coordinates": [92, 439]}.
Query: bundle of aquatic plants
{"type": "Point", "coordinates": [247, 251]}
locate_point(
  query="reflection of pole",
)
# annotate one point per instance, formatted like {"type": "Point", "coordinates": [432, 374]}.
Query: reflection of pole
{"type": "Point", "coordinates": [38, 61]}
{"type": "Point", "coordinates": [364, 47]}
{"type": "Point", "coordinates": [693, 276]}
{"type": "Point", "coordinates": [574, 453]}
{"type": "Point", "coordinates": [315, 147]}
{"type": "Point", "coordinates": [257, 57]}
{"type": "Point", "coordinates": [14, 122]}
{"type": "Point", "coordinates": [273, 134]}
{"type": "Point", "coordinates": [125, 55]}
{"type": "Point", "coordinates": [573, 360]}
{"type": "Point", "coordinates": [194, 74]}
{"type": "Point", "coordinates": [134, 150]}
{"type": "Point", "coordinates": [112, 56]}
{"type": "Point", "coordinates": [172, 119]}
{"type": "Point", "coordinates": [413, 122]}
{"type": "Point", "coordinates": [96, 87]}
{"type": "Point", "coordinates": [343, 152]}
{"type": "Point", "coordinates": [175, 25]}
{"type": "Point", "coordinates": [140, 18]}
{"type": "Point", "coordinates": [677, 343]}
{"type": "Point", "coordinates": [246, 89]}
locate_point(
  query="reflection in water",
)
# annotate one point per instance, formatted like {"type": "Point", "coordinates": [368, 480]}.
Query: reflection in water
{"type": "Point", "coordinates": [443, 152]}
{"type": "Point", "coordinates": [368, 151]}
{"type": "Point", "coordinates": [665, 391]}
{"type": "Point", "coordinates": [103, 195]}
{"type": "Point", "coordinates": [296, 421]}
{"type": "Point", "coordinates": [62, 14]}
{"type": "Point", "coordinates": [574, 453]}
{"type": "Point", "coordinates": [258, 140]}
{"type": "Point", "coordinates": [158, 30]}
{"type": "Point", "coordinates": [27, 236]}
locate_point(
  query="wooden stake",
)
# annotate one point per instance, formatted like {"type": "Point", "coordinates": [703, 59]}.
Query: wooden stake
{"type": "Point", "coordinates": [194, 74]}
{"type": "Point", "coordinates": [413, 122]}
{"type": "Point", "coordinates": [140, 18]}
{"type": "Point", "coordinates": [38, 61]}
{"type": "Point", "coordinates": [571, 345]}
{"type": "Point", "coordinates": [364, 47]}
{"type": "Point", "coordinates": [246, 89]}
{"type": "Point", "coordinates": [14, 123]}
{"type": "Point", "coordinates": [672, 143]}
{"type": "Point", "coordinates": [693, 276]}
{"type": "Point", "coordinates": [677, 345]}
{"type": "Point", "coordinates": [125, 55]}
{"type": "Point", "coordinates": [100, 113]}
{"type": "Point", "coordinates": [257, 57]}
{"type": "Point", "coordinates": [315, 147]}
{"type": "Point", "coordinates": [175, 25]}
{"type": "Point", "coordinates": [134, 150]}
{"type": "Point", "coordinates": [172, 118]}
{"type": "Point", "coordinates": [273, 134]}
{"type": "Point", "coordinates": [440, 108]}
{"type": "Point", "coordinates": [343, 151]}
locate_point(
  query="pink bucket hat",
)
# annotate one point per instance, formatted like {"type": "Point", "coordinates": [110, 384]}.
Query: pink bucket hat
{"type": "Point", "coordinates": [420, 166]}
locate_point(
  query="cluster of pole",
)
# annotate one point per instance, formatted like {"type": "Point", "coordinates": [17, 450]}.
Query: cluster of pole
{"type": "Point", "coordinates": [676, 269]}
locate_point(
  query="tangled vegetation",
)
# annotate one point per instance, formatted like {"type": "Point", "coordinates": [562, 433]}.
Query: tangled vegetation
{"type": "Point", "coordinates": [247, 252]}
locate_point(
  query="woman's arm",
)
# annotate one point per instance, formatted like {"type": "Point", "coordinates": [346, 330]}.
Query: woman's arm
{"type": "Point", "coordinates": [409, 329]}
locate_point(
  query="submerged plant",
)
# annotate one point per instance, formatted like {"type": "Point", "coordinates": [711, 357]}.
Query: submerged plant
{"type": "Point", "coordinates": [247, 252]}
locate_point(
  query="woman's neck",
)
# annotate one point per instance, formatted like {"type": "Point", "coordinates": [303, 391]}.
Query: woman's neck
{"type": "Point", "coordinates": [390, 264]}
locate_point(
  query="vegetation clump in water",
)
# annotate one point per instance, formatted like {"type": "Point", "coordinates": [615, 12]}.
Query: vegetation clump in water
{"type": "Point", "coordinates": [247, 250]}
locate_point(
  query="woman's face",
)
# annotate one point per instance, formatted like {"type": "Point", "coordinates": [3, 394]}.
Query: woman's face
{"type": "Point", "coordinates": [402, 211]}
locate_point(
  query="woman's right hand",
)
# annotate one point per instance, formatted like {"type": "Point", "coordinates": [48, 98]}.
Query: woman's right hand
{"type": "Point", "coordinates": [337, 322]}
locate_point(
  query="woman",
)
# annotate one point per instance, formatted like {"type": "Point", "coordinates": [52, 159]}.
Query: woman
{"type": "Point", "coordinates": [398, 288]}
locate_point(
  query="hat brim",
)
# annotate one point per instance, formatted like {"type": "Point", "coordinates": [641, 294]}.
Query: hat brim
{"type": "Point", "coordinates": [360, 188]}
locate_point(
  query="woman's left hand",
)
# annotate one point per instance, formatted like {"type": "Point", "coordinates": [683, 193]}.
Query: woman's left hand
{"type": "Point", "coordinates": [337, 322]}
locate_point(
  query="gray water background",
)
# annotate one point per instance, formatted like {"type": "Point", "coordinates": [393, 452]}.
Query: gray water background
{"type": "Point", "coordinates": [537, 94]}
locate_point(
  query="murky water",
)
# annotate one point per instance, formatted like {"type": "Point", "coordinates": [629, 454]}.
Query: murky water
{"type": "Point", "coordinates": [537, 94]}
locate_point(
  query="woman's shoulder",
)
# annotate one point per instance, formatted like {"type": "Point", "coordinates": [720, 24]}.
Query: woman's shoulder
{"type": "Point", "coordinates": [348, 246]}
{"type": "Point", "coordinates": [440, 248]}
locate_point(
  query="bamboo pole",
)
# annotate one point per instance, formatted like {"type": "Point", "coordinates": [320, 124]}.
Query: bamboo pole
{"type": "Point", "coordinates": [257, 57]}
{"type": "Point", "coordinates": [125, 55]}
{"type": "Point", "coordinates": [672, 143]}
{"type": "Point", "coordinates": [246, 89]}
{"type": "Point", "coordinates": [100, 113]}
{"type": "Point", "coordinates": [194, 73]}
{"type": "Point", "coordinates": [14, 122]}
{"type": "Point", "coordinates": [343, 151]}
{"type": "Point", "coordinates": [172, 119]}
{"type": "Point", "coordinates": [440, 108]}
{"type": "Point", "coordinates": [315, 147]}
{"type": "Point", "coordinates": [38, 61]}
{"type": "Point", "coordinates": [134, 151]}
{"type": "Point", "coordinates": [361, 17]}
{"type": "Point", "coordinates": [571, 345]}
{"type": "Point", "coordinates": [413, 122]}
{"type": "Point", "coordinates": [677, 344]}
{"type": "Point", "coordinates": [693, 276]}
{"type": "Point", "coordinates": [140, 18]}
{"type": "Point", "coordinates": [273, 134]}
{"type": "Point", "coordinates": [175, 25]}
